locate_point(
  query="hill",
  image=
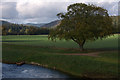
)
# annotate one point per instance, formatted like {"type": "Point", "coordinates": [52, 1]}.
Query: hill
{"type": "Point", "coordinates": [44, 25]}
{"type": "Point", "coordinates": [4, 22]}
{"type": "Point", "coordinates": [36, 25]}
{"type": "Point", "coordinates": [116, 22]}
{"type": "Point", "coordinates": [51, 24]}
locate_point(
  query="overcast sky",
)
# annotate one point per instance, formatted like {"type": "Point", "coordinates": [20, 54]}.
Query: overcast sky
{"type": "Point", "coordinates": [43, 11]}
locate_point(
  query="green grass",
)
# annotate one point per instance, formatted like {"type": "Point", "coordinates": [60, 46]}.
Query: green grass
{"type": "Point", "coordinates": [37, 49]}
{"type": "Point", "coordinates": [42, 40]}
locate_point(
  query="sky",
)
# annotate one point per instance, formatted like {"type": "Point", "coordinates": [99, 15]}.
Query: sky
{"type": "Point", "coordinates": [44, 11]}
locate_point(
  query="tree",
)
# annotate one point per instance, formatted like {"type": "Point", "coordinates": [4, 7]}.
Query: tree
{"type": "Point", "coordinates": [27, 31]}
{"type": "Point", "coordinates": [4, 31]}
{"type": "Point", "coordinates": [10, 30]}
{"type": "Point", "coordinates": [81, 23]}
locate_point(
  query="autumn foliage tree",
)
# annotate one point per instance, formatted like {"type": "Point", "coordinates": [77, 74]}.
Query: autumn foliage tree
{"type": "Point", "coordinates": [81, 23]}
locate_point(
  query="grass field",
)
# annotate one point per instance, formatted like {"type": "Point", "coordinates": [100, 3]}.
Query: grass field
{"type": "Point", "coordinates": [37, 48]}
{"type": "Point", "coordinates": [42, 40]}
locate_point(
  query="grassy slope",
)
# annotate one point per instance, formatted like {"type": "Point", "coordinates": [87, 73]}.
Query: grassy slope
{"type": "Point", "coordinates": [30, 50]}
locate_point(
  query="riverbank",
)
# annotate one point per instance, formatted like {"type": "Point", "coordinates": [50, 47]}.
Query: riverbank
{"type": "Point", "coordinates": [105, 66]}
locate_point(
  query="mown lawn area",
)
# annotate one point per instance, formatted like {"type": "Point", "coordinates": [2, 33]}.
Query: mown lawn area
{"type": "Point", "coordinates": [39, 49]}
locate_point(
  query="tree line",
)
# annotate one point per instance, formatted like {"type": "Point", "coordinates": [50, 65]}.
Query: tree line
{"type": "Point", "coordinates": [19, 29]}
{"type": "Point", "coordinates": [116, 23]}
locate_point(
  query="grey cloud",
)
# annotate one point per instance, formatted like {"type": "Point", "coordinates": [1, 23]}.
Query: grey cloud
{"type": "Point", "coordinates": [43, 12]}
{"type": "Point", "coordinates": [9, 10]}
{"type": "Point", "coordinates": [47, 10]}
{"type": "Point", "coordinates": [119, 8]}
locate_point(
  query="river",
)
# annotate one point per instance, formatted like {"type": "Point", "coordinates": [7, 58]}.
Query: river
{"type": "Point", "coordinates": [29, 71]}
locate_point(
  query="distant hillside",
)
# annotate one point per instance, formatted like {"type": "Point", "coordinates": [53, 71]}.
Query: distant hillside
{"type": "Point", "coordinates": [115, 19]}
{"type": "Point", "coordinates": [4, 22]}
{"type": "Point", "coordinates": [45, 25]}
{"type": "Point", "coordinates": [51, 24]}
{"type": "Point", "coordinates": [20, 29]}
{"type": "Point", "coordinates": [116, 22]}
{"type": "Point", "coordinates": [42, 25]}
{"type": "Point", "coordinates": [36, 25]}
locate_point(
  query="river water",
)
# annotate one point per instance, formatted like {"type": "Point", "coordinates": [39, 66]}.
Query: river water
{"type": "Point", "coordinates": [29, 71]}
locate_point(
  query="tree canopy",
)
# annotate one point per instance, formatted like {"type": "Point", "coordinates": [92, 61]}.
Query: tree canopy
{"type": "Point", "coordinates": [81, 23]}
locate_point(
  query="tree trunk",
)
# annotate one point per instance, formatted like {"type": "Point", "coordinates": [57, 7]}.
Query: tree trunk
{"type": "Point", "coordinates": [81, 47]}
{"type": "Point", "coordinates": [81, 43]}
